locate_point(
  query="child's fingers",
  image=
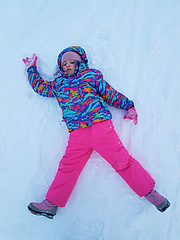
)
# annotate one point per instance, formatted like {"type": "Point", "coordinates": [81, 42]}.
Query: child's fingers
{"type": "Point", "coordinates": [128, 117]}
{"type": "Point", "coordinates": [135, 121]}
{"type": "Point", "coordinates": [25, 60]}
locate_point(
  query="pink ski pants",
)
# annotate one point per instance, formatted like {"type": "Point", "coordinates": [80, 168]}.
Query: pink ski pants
{"type": "Point", "coordinates": [102, 138]}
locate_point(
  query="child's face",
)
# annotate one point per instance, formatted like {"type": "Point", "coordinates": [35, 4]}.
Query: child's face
{"type": "Point", "coordinates": [69, 66]}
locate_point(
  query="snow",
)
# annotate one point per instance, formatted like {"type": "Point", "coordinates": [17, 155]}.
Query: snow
{"type": "Point", "coordinates": [136, 46]}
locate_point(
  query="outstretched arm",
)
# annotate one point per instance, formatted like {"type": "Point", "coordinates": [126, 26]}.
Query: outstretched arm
{"type": "Point", "coordinates": [110, 95]}
{"type": "Point", "coordinates": [116, 99]}
{"type": "Point", "coordinates": [40, 86]}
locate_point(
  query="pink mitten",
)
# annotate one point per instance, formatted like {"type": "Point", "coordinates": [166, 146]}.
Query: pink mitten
{"type": "Point", "coordinates": [29, 62]}
{"type": "Point", "coordinates": [132, 115]}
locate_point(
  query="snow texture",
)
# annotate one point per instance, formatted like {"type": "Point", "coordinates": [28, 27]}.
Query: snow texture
{"type": "Point", "coordinates": [136, 44]}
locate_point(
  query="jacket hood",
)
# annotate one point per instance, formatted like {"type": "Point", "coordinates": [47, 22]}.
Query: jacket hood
{"type": "Point", "coordinates": [80, 66]}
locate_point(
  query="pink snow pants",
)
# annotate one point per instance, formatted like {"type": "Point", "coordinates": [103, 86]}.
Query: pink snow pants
{"type": "Point", "coordinates": [102, 138]}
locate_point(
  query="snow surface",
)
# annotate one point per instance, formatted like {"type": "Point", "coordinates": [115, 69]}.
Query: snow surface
{"type": "Point", "coordinates": [136, 44]}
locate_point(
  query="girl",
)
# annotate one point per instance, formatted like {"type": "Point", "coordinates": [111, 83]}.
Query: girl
{"type": "Point", "coordinates": [81, 93]}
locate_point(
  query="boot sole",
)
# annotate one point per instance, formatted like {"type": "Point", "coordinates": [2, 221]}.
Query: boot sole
{"type": "Point", "coordinates": [48, 215]}
{"type": "Point", "coordinates": [164, 208]}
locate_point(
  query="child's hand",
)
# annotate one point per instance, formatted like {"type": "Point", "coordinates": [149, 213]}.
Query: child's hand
{"type": "Point", "coordinates": [132, 115]}
{"type": "Point", "coordinates": [29, 62]}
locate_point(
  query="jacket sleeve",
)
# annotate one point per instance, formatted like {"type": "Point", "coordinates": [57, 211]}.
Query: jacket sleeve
{"type": "Point", "coordinates": [44, 88]}
{"type": "Point", "coordinates": [110, 95]}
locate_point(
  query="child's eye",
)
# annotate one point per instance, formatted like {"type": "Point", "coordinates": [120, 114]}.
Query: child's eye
{"type": "Point", "coordinates": [73, 62]}
{"type": "Point", "coordinates": [64, 64]}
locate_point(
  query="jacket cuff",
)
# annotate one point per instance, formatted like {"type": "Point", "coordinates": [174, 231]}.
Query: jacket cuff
{"type": "Point", "coordinates": [29, 69]}
{"type": "Point", "coordinates": [131, 106]}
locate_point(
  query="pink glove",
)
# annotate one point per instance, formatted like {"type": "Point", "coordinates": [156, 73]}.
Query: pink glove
{"type": "Point", "coordinates": [29, 62]}
{"type": "Point", "coordinates": [132, 115]}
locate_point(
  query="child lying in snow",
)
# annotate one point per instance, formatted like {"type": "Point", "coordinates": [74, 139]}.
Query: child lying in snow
{"type": "Point", "coordinates": [81, 93]}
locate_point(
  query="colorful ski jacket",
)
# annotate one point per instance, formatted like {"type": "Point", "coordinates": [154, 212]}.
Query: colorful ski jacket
{"type": "Point", "coordinates": [81, 96]}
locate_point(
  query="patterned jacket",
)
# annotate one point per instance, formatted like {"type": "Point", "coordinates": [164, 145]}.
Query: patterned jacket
{"type": "Point", "coordinates": [81, 96]}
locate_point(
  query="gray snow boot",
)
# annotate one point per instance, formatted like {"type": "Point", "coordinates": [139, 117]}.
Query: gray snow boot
{"type": "Point", "coordinates": [160, 202]}
{"type": "Point", "coordinates": [45, 208]}
{"type": "Point", "coordinates": [163, 206]}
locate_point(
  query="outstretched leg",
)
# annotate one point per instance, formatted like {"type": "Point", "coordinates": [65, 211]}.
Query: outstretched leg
{"type": "Point", "coordinates": [107, 143]}
{"type": "Point", "coordinates": [76, 156]}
